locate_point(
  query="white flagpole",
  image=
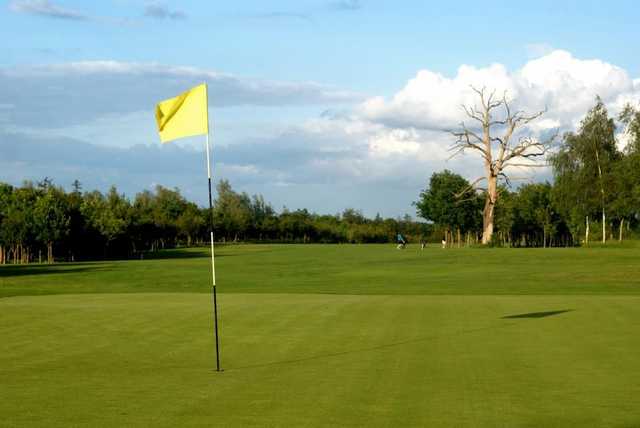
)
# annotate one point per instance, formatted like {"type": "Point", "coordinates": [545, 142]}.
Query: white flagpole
{"type": "Point", "coordinates": [213, 266]}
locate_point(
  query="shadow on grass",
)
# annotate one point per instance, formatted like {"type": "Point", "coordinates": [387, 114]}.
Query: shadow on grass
{"type": "Point", "coordinates": [25, 270]}
{"type": "Point", "coordinates": [537, 314]}
{"type": "Point", "coordinates": [186, 253]}
{"type": "Point", "coordinates": [178, 253]}
{"type": "Point", "coordinates": [369, 349]}
{"type": "Point", "coordinates": [403, 342]}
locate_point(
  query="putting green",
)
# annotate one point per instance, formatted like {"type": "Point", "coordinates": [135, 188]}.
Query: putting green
{"type": "Point", "coordinates": [147, 359]}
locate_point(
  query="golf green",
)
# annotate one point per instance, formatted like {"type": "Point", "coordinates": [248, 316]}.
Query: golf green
{"type": "Point", "coordinates": [326, 336]}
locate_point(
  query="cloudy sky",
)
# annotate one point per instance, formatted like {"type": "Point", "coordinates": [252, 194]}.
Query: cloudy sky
{"type": "Point", "coordinates": [317, 104]}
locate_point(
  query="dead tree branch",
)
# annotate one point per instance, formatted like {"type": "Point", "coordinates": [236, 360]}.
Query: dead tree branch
{"type": "Point", "coordinates": [501, 151]}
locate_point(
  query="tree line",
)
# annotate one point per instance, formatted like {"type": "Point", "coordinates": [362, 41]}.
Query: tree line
{"type": "Point", "coordinates": [41, 222]}
{"type": "Point", "coordinates": [595, 194]}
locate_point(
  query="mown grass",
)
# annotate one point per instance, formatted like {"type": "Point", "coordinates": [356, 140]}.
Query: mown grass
{"type": "Point", "coordinates": [326, 336]}
{"type": "Point", "coordinates": [345, 269]}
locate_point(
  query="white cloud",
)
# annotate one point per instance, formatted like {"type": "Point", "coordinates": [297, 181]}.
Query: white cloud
{"type": "Point", "coordinates": [369, 155]}
{"type": "Point", "coordinates": [394, 142]}
{"type": "Point", "coordinates": [45, 8]}
{"type": "Point", "coordinates": [566, 86]}
{"type": "Point", "coordinates": [405, 134]}
{"type": "Point", "coordinates": [433, 101]}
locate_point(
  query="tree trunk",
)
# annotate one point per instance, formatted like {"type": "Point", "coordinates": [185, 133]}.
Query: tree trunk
{"type": "Point", "coordinates": [489, 208]}
{"type": "Point", "coordinates": [49, 252]}
{"type": "Point", "coordinates": [621, 225]}
{"type": "Point", "coordinates": [586, 233]}
{"type": "Point", "coordinates": [604, 217]}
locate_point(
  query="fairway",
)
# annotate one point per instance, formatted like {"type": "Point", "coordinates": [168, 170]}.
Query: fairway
{"type": "Point", "coordinates": [333, 335]}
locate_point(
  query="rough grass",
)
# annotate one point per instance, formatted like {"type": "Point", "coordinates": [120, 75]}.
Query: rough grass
{"type": "Point", "coordinates": [326, 336]}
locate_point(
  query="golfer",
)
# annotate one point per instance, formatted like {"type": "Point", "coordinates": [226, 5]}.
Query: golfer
{"type": "Point", "coordinates": [401, 241]}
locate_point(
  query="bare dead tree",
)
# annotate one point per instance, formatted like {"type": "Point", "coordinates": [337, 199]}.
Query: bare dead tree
{"type": "Point", "coordinates": [498, 153]}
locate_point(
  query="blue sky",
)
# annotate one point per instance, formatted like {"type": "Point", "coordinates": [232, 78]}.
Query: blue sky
{"type": "Point", "coordinates": [318, 104]}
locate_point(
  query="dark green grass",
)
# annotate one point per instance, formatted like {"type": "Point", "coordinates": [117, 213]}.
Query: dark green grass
{"type": "Point", "coordinates": [345, 269]}
{"type": "Point", "coordinates": [442, 338]}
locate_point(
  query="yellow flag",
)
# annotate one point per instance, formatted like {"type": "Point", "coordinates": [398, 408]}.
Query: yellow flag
{"type": "Point", "coordinates": [184, 115]}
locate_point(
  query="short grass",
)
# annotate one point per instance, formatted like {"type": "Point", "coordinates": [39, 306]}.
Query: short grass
{"type": "Point", "coordinates": [345, 269]}
{"type": "Point", "coordinates": [326, 336]}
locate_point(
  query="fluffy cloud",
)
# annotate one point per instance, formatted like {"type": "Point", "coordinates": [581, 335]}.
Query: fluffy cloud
{"type": "Point", "coordinates": [564, 85]}
{"type": "Point", "coordinates": [403, 137]}
{"type": "Point", "coordinates": [433, 101]}
{"type": "Point", "coordinates": [374, 154]}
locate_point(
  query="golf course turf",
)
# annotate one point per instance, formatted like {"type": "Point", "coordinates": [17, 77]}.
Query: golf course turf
{"type": "Point", "coordinates": [326, 335]}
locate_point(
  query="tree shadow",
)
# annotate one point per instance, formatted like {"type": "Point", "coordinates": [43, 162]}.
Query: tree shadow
{"type": "Point", "coordinates": [191, 253]}
{"type": "Point", "coordinates": [176, 253]}
{"type": "Point", "coordinates": [537, 314]}
{"type": "Point", "coordinates": [26, 270]}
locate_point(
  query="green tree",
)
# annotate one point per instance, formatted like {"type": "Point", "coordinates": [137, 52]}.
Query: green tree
{"type": "Point", "coordinates": [630, 118]}
{"type": "Point", "coordinates": [6, 199]}
{"type": "Point", "coordinates": [18, 231]}
{"type": "Point", "coordinates": [79, 239]}
{"type": "Point", "coordinates": [168, 206]}
{"type": "Point", "coordinates": [107, 214]}
{"type": "Point", "coordinates": [627, 173]}
{"type": "Point", "coordinates": [190, 223]}
{"type": "Point", "coordinates": [536, 213]}
{"type": "Point", "coordinates": [263, 217]}
{"type": "Point", "coordinates": [583, 169]}
{"type": "Point", "coordinates": [52, 218]}
{"type": "Point", "coordinates": [232, 211]}
{"type": "Point", "coordinates": [446, 203]}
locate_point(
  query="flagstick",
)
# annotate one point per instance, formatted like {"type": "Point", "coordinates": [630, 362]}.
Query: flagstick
{"type": "Point", "coordinates": [213, 266]}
